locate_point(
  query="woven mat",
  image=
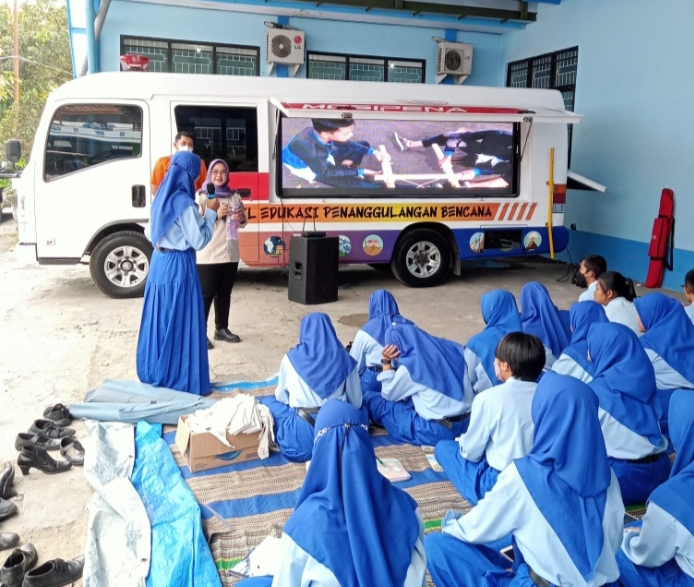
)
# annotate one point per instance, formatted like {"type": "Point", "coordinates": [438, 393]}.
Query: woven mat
{"type": "Point", "coordinates": [242, 504]}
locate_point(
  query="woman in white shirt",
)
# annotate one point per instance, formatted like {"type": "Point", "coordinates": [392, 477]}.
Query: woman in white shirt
{"type": "Point", "coordinates": [617, 294]}
{"type": "Point", "coordinates": [319, 368]}
{"type": "Point", "coordinates": [561, 503]}
{"type": "Point", "coordinates": [660, 553]}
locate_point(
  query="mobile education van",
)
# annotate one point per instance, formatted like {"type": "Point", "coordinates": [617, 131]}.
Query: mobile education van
{"type": "Point", "coordinates": [416, 176]}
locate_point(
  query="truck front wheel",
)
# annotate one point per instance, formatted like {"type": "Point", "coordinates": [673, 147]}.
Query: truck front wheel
{"type": "Point", "coordinates": [119, 264]}
{"type": "Point", "coordinates": [422, 258]}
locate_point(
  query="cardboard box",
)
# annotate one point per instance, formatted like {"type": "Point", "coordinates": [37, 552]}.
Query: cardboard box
{"type": "Point", "coordinates": [203, 450]}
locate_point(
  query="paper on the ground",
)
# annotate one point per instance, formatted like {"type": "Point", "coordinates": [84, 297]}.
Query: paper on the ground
{"type": "Point", "coordinates": [392, 470]}
{"type": "Point", "coordinates": [263, 561]}
{"type": "Point", "coordinates": [429, 451]}
{"type": "Point", "coordinates": [237, 414]}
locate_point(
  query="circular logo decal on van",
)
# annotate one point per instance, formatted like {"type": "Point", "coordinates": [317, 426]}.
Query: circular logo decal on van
{"type": "Point", "coordinates": [373, 245]}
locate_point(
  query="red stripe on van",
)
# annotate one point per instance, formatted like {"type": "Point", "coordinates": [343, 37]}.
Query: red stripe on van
{"type": "Point", "coordinates": [503, 212]}
{"type": "Point", "coordinates": [522, 211]}
{"type": "Point", "coordinates": [513, 211]}
{"type": "Point", "coordinates": [531, 211]}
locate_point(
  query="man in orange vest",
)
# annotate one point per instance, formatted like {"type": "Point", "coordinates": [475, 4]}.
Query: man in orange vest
{"type": "Point", "coordinates": [184, 141]}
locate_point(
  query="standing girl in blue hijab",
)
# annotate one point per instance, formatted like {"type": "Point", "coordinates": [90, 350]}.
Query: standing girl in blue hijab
{"type": "Point", "coordinates": [669, 343]}
{"type": "Point", "coordinates": [542, 318]}
{"type": "Point", "coordinates": [574, 359]}
{"type": "Point", "coordinates": [350, 527]}
{"type": "Point", "coordinates": [425, 395]}
{"type": "Point", "coordinates": [172, 344]}
{"type": "Point", "coordinates": [319, 368]}
{"type": "Point", "coordinates": [661, 552]}
{"type": "Point", "coordinates": [501, 317]}
{"type": "Point", "coordinates": [629, 410]}
{"type": "Point", "coordinates": [561, 503]}
{"type": "Point", "coordinates": [371, 338]}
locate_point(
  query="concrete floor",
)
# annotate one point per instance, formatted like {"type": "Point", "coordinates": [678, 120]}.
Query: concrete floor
{"type": "Point", "coordinates": [61, 337]}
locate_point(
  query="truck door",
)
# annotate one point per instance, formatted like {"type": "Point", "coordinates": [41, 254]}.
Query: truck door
{"type": "Point", "coordinates": [94, 173]}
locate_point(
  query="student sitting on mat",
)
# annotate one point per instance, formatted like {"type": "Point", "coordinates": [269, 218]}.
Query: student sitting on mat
{"type": "Point", "coordinates": [624, 382]}
{"type": "Point", "coordinates": [351, 527]}
{"type": "Point", "coordinates": [501, 316]}
{"type": "Point", "coordinates": [590, 269]}
{"type": "Point", "coordinates": [427, 396]}
{"type": "Point", "coordinates": [370, 338]}
{"type": "Point", "coordinates": [501, 424]}
{"type": "Point", "coordinates": [617, 294]}
{"type": "Point", "coordinates": [669, 344]}
{"type": "Point", "coordinates": [561, 503]}
{"type": "Point", "coordinates": [319, 368]}
{"type": "Point", "coordinates": [574, 359]}
{"type": "Point", "coordinates": [660, 553]}
{"type": "Point", "coordinates": [541, 318]}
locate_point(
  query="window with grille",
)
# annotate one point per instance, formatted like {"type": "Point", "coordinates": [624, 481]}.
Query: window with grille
{"type": "Point", "coordinates": [189, 57]}
{"type": "Point", "coordinates": [556, 71]}
{"type": "Point", "coordinates": [364, 68]}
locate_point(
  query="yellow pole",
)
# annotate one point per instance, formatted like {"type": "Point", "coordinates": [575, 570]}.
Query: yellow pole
{"type": "Point", "coordinates": [550, 183]}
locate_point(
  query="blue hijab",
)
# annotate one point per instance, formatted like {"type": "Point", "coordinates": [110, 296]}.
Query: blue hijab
{"type": "Point", "coordinates": [383, 313]}
{"type": "Point", "coordinates": [436, 363]}
{"type": "Point", "coordinates": [319, 358]}
{"type": "Point", "coordinates": [675, 495]}
{"type": "Point", "coordinates": [541, 318]}
{"type": "Point", "coordinates": [349, 517]}
{"type": "Point", "coordinates": [567, 472]}
{"type": "Point", "coordinates": [669, 332]}
{"type": "Point", "coordinates": [501, 316]}
{"type": "Point", "coordinates": [624, 379]}
{"type": "Point", "coordinates": [583, 315]}
{"type": "Point", "coordinates": [175, 194]}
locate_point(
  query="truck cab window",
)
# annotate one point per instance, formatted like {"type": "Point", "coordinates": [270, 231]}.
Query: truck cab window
{"type": "Point", "coordinates": [84, 135]}
{"type": "Point", "coordinates": [228, 133]}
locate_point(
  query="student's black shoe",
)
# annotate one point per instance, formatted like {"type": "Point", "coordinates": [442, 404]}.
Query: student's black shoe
{"type": "Point", "coordinates": [8, 540]}
{"type": "Point", "coordinates": [210, 346]}
{"type": "Point", "coordinates": [38, 458]}
{"type": "Point", "coordinates": [17, 565]}
{"type": "Point", "coordinates": [7, 482]}
{"type": "Point", "coordinates": [7, 509]}
{"type": "Point", "coordinates": [30, 439]}
{"type": "Point", "coordinates": [72, 451]}
{"type": "Point", "coordinates": [55, 573]}
{"type": "Point", "coordinates": [398, 142]}
{"type": "Point", "coordinates": [50, 430]}
{"type": "Point", "coordinates": [226, 335]}
{"type": "Point", "coordinates": [58, 414]}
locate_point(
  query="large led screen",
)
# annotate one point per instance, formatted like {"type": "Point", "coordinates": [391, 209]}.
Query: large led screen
{"type": "Point", "coordinates": [342, 157]}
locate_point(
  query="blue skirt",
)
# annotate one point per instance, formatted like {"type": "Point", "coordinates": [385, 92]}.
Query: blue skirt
{"type": "Point", "coordinates": [172, 345]}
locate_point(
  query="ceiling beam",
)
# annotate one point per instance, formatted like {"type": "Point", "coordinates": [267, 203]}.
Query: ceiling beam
{"type": "Point", "coordinates": [420, 7]}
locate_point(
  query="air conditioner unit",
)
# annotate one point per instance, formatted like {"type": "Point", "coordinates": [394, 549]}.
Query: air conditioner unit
{"type": "Point", "coordinates": [454, 59]}
{"type": "Point", "coordinates": [286, 47]}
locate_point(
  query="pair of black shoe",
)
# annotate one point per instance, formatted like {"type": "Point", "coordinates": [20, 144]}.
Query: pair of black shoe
{"type": "Point", "coordinates": [225, 335]}
{"type": "Point", "coordinates": [7, 508]}
{"type": "Point", "coordinates": [46, 435]}
{"type": "Point", "coordinates": [19, 571]}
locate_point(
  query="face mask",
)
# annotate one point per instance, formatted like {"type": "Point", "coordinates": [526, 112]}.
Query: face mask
{"type": "Point", "coordinates": [186, 148]}
{"type": "Point", "coordinates": [579, 279]}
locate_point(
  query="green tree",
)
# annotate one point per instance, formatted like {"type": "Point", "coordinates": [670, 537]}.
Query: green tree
{"type": "Point", "coordinates": [44, 45]}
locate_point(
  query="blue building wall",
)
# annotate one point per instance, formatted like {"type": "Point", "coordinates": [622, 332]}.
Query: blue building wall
{"type": "Point", "coordinates": [221, 26]}
{"type": "Point", "coordinates": [637, 136]}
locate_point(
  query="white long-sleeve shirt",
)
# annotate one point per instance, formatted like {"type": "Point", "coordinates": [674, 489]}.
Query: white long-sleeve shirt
{"type": "Point", "coordinates": [690, 312]}
{"type": "Point", "coordinates": [661, 539]}
{"type": "Point", "coordinates": [622, 311]}
{"type": "Point", "coordinates": [509, 508]}
{"type": "Point", "coordinates": [589, 294]}
{"type": "Point", "coordinates": [501, 424]}
{"type": "Point", "coordinates": [397, 385]}
{"type": "Point", "coordinates": [296, 393]}
{"type": "Point", "coordinates": [299, 569]}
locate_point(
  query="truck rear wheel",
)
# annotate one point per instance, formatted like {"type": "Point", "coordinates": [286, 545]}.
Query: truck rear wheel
{"type": "Point", "coordinates": [119, 264]}
{"type": "Point", "coordinates": [422, 258]}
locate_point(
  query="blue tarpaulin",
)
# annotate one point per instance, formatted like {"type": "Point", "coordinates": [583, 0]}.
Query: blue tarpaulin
{"type": "Point", "coordinates": [180, 553]}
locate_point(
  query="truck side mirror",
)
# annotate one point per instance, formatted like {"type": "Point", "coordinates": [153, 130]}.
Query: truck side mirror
{"type": "Point", "coordinates": [13, 151]}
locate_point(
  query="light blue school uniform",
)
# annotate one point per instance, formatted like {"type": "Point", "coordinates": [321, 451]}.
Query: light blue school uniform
{"type": "Point", "coordinates": [690, 312]}
{"type": "Point", "coordinates": [541, 318]}
{"type": "Point", "coordinates": [561, 503]}
{"type": "Point", "coordinates": [662, 554]}
{"type": "Point", "coordinates": [668, 342]}
{"type": "Point", "coordinates": [501, 316]}
{"type": "Point", "coordinates": [369, 341]}
{"type": "Point", "coordinates": [351, 527]}
{"type": "Point", "coordinates": [589, 294]}
{"type": "Point", "coordinates": [427, 397]}
{"type": "Point", "coordinates": [316, 370]}
{"type": "Point", "coordinates": [501, 430]}
{"type": "Point", "coordinates": [629, 410]}
{"type": "Point", "coordinates": [574, 359]}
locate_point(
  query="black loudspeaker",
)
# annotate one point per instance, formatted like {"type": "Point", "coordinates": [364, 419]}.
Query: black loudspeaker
{"type": "Point", "coordinates": [313, 269]}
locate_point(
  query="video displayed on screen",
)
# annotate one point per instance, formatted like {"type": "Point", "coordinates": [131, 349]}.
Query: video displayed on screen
{"type": "Point", "coordinates": [342, 156]}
